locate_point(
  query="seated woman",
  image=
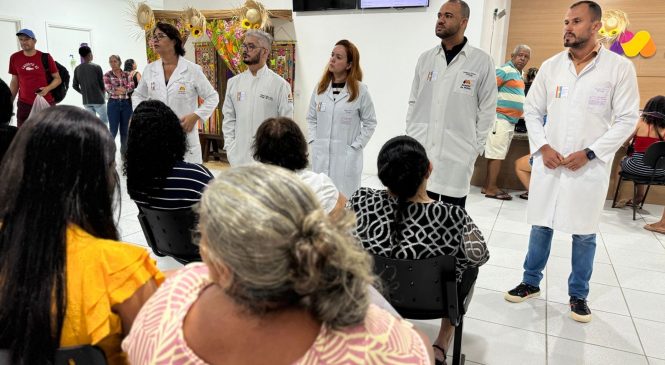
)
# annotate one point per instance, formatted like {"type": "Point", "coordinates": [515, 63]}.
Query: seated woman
{"type": "Point", "coordinates": [279, 141]}
{"type": "Point", "coordinates": [64, 278]}
{"type": "Point", "coordinates": [649, 130]}
{"type": "Point", "coordinates": [157, 174]}
{"type": "Point", "coordinates": [290, 290]}
{"type": "Point", "coordinates": [404, 223]}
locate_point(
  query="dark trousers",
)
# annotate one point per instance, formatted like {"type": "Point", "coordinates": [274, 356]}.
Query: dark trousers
{"type": "Point", "coordinates": [461, 202]}
{"type": "Point", "coordinates": [119, 111]}
{"type": "Point", "coordinates": [23, 112]}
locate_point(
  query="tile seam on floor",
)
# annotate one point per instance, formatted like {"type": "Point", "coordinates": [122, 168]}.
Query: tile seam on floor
{"type": "Point", "coordinates": [623, 295]}
{"type": "Point", "coordinates": [595, 344]}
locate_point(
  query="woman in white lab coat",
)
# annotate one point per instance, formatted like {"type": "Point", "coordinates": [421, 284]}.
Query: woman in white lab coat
{"type": "Point", "coordinates": [341, 119]}
{"type": "Point", "coordinates": [179, 84]}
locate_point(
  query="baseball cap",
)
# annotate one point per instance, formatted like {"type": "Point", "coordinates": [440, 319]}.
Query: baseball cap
{"type": "Point", "coordinates": [27, 32]}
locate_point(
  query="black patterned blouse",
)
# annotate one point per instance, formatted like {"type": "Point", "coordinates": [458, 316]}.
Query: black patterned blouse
{"type": "Point", "coordinates": [426, 230]}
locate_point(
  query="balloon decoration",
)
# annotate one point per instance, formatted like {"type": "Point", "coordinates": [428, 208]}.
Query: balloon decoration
{"type": "Point", "coordinates": [619, 39]}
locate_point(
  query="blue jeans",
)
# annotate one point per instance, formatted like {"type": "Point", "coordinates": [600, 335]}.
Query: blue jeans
{"type": "Point", "coordinates": [120, 110]}
{"type": "Point", "coordinates": [584, 249]}
{"type": "Point", "coordinates": [98, 110]}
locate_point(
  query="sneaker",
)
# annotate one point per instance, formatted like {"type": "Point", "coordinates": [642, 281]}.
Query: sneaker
{"type": "Point", "coordinates": [521, 293]}
{"type": "Point", "coordinates": [579, 310]}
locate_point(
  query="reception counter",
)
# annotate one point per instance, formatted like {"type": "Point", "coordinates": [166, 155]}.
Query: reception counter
{"type": "Point", "coordinates": [520, 147]}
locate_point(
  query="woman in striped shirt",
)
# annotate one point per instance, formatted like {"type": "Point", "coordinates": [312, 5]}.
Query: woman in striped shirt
{"type": "Point", "coordinates": [157, 175]}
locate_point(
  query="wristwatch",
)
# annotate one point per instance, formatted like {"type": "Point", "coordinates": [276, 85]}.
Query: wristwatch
{"type": "Point", "coordinates": [589, 154]}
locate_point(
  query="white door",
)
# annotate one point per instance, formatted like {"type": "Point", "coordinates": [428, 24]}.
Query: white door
{"type": "Point", "coordinates": [63, 45]}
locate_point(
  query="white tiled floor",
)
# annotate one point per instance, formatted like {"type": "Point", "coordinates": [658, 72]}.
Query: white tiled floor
{"type": "Point", "coordinates": [627, 294]}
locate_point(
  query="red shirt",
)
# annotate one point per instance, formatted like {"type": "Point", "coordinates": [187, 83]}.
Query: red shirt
{"type": "Point", "coordinates": [31, 75]}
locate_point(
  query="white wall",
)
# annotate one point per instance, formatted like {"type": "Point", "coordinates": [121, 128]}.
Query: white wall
{"type": "Point", "coordinates": [109, 21]}
{"type": "Point", "coordinates": [389, 41]}
{"type": "Point", "coordinates": [495, 30]}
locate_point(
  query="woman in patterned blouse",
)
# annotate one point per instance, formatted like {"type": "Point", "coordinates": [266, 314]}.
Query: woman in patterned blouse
{"type": "Point", "coordinates": [281, 283]}
{"type": "Point", "coordinates": [404, 223]}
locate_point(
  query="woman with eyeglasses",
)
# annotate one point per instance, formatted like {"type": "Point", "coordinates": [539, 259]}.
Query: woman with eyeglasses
{"type": "Point", "coordinates": [179, 84]}
{"type": "Point", "coordinates": [252, 97]}
{"type": "Point", "coordinates": [341, 119]}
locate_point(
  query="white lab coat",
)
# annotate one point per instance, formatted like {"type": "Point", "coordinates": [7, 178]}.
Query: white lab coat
{"type": "Point", "coordinates": [338, 130]}
{"type": "Point", "coordinates": [186, 85]}
{"type": "Point", "coordinates": [451, 110]}
{"type": "Point", "coordinates": [598, 110]}
{"type": "Point", "coordinates": [249, 101]}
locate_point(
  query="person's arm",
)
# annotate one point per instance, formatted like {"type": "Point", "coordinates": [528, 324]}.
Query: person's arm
{"type": "Point", "coordinates": [311, 118]}
{"type": "Point", "coordinates": [285, 108]}
{"type": "Point", "coordinates": [75, 81]}
{"type": "Point", "coordinates": [367, 119]}
{"type": "Point", "coordinates": [487, 95]}
{"type": "Point", "coordinates": [13, 87]}
{"type": "Point", "coordinates": [54, 74]}
{"type": "Point", "coordinates": [625, 108]}
{"type": "Point", "coordinates": [229, 112]}
{"type": "Point", "coordinates": [100, 78]}
{"type": "Point", "coordinates": [474, 245]}
{"type": "Point", "coordinates": [141, 92]}
{"type": "Point", "coordinates": [128, 309]}
{"type": "Point", "coordinates": [206, 92]}
{"type": "Point", "coordinates": [413, 97]}
{"type": "Point", "coordinates": [128, 83]}
{"type": "Point", "coordinates": [138, 76]}
{"type": "Point", "coordinates": [108, 86]}
{"type": "Point", "coordinates": [339, 205]}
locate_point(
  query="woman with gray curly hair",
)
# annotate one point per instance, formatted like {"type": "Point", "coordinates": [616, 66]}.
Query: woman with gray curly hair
{"type": "Point", "coordinates": [281, 283]}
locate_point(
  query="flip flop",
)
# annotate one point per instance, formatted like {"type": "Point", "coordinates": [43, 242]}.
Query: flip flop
{"type": "Point", "coordinates": [524, 195]}
{"type": "Point", "coordinates": [652, 228]}
{"type": "Point", "coordinates": [500, 196]}
{"type": "Point", "coordinates": [437, 361]}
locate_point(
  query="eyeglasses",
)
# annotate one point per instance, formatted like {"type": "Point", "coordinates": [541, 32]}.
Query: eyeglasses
{"type": "Point", "coordinates": [250, 47]}
{"type": "Point", "coordinates": [159, 36]}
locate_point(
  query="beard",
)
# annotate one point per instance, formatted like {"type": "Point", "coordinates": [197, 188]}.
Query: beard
{"type": "Point", "coordinates": [575, 41]}
{"type": "Point", "coordinates": [446, 32]}
{"type": "Point", "coordinates": [247, 60]}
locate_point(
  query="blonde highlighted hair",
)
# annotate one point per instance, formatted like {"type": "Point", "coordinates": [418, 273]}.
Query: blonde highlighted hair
{"type": "Point", "coordinates": [354, 75]}
{"type": "Point", "coordinates": [267, 227]}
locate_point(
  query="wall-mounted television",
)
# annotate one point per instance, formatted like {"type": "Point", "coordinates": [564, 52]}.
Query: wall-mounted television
{"type": "Point", "coordinates": [313, 5]}
{"type": "Point", "coordinates": [374, 4]}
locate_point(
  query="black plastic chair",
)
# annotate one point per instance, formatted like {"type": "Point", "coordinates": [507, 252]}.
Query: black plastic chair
{"type": "Point", "coordinates": [425, 289]}
{"type": "Point", "coordinates": [169, 233]}
{"type": "Point", "coordinates": [654, 158]}
{"type": "Point", "coordinates": [79, 355]}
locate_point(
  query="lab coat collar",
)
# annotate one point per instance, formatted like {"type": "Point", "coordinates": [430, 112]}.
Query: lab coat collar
{"type": "Point", "coordinates": [260, 73]}
{"type": "Point", "coordinates": [342, 94]}
{"type": "Point", "coordinates": [158, 70]}
{"type": "Point", "coordinates": [466, 50]}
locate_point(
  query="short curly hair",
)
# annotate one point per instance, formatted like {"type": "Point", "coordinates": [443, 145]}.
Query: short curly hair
{"type": "Point", "coordinates": [156, 141]}
{"type": "Point", "coordinates": [279, 141]}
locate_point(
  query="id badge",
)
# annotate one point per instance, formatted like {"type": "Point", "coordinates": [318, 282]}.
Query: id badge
{"type": "Point", "coordinates": [240, 96]}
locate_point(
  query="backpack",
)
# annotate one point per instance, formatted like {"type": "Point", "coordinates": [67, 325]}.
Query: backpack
{"type": "Point", "coordinates": [61, 90]}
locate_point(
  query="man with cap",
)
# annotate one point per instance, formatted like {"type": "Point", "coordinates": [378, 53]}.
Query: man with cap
{"type": "Point", "coordinates": [28, 75]}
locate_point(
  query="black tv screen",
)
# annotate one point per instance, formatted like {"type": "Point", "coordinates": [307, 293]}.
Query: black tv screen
{"type": "Point", "coordinates": [311, 5]}
{"type": "Point", "coordinates": [372, 4]}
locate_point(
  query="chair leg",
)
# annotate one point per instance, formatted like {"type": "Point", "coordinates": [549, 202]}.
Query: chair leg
{"type": "Point", "coordinates": [616, 192]}
{"type": "Point", "coordinates": [634, 198]}
{"type": "Point", "coordinates": [458, 358]}
{"type": "Point", "coordinates": [645, 196]}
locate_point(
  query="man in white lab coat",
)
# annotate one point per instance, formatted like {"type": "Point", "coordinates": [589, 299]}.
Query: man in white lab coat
{"type": "Point", "coordinates": [452, 105]}
{"type": "Point", "coordinates": [252, 97]}
{"type": "Point", "coordinates": [590, 97]}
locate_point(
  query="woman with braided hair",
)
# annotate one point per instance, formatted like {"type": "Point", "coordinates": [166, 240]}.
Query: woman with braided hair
{"type": "Point", "coordinates": [281, 283]}
{"type": "Point", "coordinates": [403, 222]}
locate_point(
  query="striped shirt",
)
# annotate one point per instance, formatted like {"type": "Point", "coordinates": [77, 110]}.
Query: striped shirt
{"type": "Point", "coordinates": [182, 188]}
{"type": "Point", "coordinates": [510, 101]}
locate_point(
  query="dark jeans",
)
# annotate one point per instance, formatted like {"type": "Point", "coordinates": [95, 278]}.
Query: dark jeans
{"type": "Point", "coordinates": [460, 202]}
{"type": "Point", "coordinates": [119, 111]}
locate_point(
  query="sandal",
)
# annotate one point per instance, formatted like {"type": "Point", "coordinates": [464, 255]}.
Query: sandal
{"type": "Point", "coordinates": [437, 361]}
{"type": "Point", "coordinates": [524, 195]}
{"type": "Point", "coordinates": [501, 195]}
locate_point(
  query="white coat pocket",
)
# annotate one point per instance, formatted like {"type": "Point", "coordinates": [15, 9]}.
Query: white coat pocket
{"type": "Point", "coordinates": [466, 83]}
{"type": "Point", "coordinates": [599, 98]}
{"type": "Point", "coordinates": [184, 90]}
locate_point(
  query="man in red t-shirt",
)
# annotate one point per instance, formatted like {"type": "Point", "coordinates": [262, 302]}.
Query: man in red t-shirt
{"type": "Point", "coordinates": [28, 75]}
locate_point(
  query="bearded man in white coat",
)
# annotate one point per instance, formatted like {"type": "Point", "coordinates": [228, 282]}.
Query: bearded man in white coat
{"type": "Point", "coordinates": [252, 97]}
{"type": "Point", "coordinates": [452, 105]}
{"type": "Point", "coordinates": [590, 97]}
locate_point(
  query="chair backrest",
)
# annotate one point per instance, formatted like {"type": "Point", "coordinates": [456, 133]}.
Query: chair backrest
{"type": "Point", "coordinates": [420, 289]}
{"type": "Point", "coordinates": [76, 355]}
{"type": "Point", "coordinates": [169, 232]}
{"type": "Point", "coordinates": [654, 156]}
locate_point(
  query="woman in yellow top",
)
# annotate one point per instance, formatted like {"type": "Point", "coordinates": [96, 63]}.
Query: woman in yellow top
{"type": "Point", "coordinates": [64, 280]}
